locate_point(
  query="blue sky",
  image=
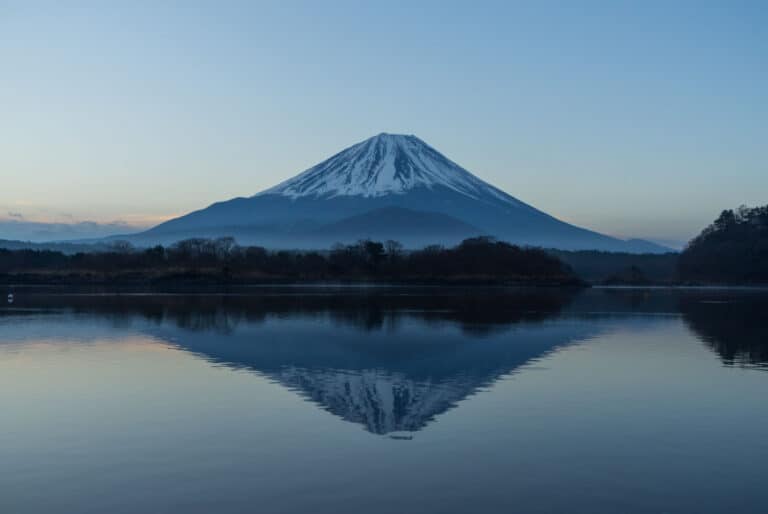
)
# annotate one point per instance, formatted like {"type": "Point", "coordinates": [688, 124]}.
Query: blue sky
{"type": "Point", "coordinates": [632, 118]}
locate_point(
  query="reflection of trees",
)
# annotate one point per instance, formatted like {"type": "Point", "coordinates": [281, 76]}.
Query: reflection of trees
{"type": "Point", "coordinates": [735, 327]}
{"type": "Point", "coordinates": [477, 311]}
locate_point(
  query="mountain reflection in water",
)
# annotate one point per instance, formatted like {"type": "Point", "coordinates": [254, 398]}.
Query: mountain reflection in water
{"type": "Point", "coordinates": [392, 360]}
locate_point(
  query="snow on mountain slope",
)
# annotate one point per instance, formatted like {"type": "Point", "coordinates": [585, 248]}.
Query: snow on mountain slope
{"type": "Point", "coordinates": [383, 402]}
{"type": "Point", "coordinates": [387, 164]}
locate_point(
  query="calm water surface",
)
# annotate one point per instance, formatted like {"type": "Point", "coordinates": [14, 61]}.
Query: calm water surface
{"type": "Point", "coordinates": [383, 400]}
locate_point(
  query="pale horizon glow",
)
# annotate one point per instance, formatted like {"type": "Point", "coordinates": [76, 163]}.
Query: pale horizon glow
{"type": "Point", "coordinates": [638, 120]}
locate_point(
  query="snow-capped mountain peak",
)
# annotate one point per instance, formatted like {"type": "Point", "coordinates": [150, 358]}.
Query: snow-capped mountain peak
{"type": "Point", "coordinates": [386, 187]}
{"type": "Point", "coordinates": [383, 165]}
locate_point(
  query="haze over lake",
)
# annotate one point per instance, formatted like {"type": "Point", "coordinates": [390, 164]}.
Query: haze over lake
{"type": "Point", "coordinates": [384, 400]}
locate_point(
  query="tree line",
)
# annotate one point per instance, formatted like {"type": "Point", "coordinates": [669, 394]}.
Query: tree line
{"type": "Point", "coordinates": [475, 259]}
{"type": "Point", "coordinates": [733, 249]}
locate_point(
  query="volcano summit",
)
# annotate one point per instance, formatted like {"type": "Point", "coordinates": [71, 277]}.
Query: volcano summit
{"type": "Point", "coordinates": [387, 187]}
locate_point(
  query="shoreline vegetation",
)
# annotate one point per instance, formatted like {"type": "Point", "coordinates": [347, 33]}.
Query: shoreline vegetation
{"type": "Point", "coordinates": [732, 251]}
{"type": "Point", "coordinates": [475, 261]}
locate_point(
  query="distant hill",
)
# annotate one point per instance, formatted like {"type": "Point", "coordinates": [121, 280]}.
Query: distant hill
{"type": "Point", "coordinates": [398, 186]}
{"type": "Point", "coordinates": [66, 248]}
{"type": "Point", "coordinates": [19, 229]}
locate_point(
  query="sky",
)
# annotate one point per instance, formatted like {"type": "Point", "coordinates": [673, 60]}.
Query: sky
{"type": "Point", "coordinates": [635, 119]}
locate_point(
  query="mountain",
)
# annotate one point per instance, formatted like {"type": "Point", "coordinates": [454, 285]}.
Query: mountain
{"type": "Point", "coordinates": [396, 183]}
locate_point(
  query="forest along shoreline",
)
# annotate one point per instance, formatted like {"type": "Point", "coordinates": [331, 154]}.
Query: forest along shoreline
{"type": "Point", "coordinates": [732, 251]}
{"type": "Point", "coordinates": [476, 261]}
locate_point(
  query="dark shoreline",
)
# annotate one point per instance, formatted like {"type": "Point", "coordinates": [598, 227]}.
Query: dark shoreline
{"type": "Point", "coordinates": [193, 280]}
{"type": "Point", "coordinates": [202, 280]}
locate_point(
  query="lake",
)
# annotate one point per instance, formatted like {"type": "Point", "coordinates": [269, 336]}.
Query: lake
{"type": "Point", "coordinates": [382, 400]}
